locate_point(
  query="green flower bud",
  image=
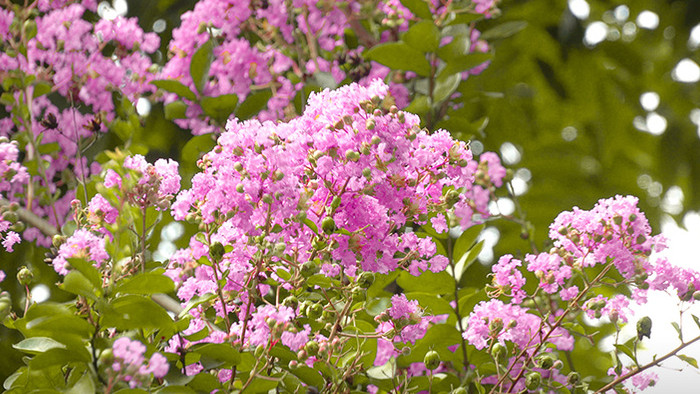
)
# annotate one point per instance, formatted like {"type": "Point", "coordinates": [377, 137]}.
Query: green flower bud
{"type": "Point", "coordinates": [291, 302]}
{"type": "Point", "coordinates": [267, 199]}
{"type": "Point", "coordinates": [431, 360]}
{"type": "Point", "coordinates": [370, 125]}
{"type": "Point", "coordinates": [58, 240]}
{"type": "Point", "coordinates": [314, 311]}
{"type": "Point", "coordinates": [328, 225]}
{"type": "Point", "coordinates": [216, 251]}
{"type": "Point", "coordinates": [106, 357]}
{"type": "Point", "coordinates": [644, 328]}
{"type": "Point", "coordinates": [573, 378]}
{"type": "Point", "coordinates": [302, 355]}
{"type": "Point", "coordinates": [312, 348]}
{"type": "Point", "coordinates": [365, 280]}
{"type": "Point", "coordinates": [25, 276]}
{"type": "Point", "coordinates": [18, 227]}
{"type": "Point", "coordinates": [617, 220]}
{"type": "Point", "coordinates": [498, 351]}
{"type": "Point", "coordinates": [352, 155]}
{"type": "Point", "coordinates": [240, 188]}
{"type": "Point", "coordinates": [335, 203]}
{"type": "Point", "coordinates": [10, 216]}
{"type": "Point", "coordinates": [375, 140]}
{"type": "Point", "coordinates": [533, 380]}
{"type": "Point", "coordinates": [546, 360]}
{"type": "Point", "coordinates": [293, 364]}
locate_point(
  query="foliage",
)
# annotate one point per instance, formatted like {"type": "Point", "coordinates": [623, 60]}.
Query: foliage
{"type": "Point", "coordinates": [328, 239]}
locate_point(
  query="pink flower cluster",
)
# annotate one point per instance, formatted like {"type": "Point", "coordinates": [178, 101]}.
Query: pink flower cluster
{"type": "Point", "coordinates": [339, 181]}
{"type": "Point", "coordinates": [83, 244]}
{"type": "Point", "coordinates": [241, 68]}
{"type": "Point", "coordinates": [13, 178]}
{"type": "Point", "coordinates": [72, 55]}
{"type": "Point", "coordinates": [130, 364]}
{"type": "Point", "coordinates": [145, 185]}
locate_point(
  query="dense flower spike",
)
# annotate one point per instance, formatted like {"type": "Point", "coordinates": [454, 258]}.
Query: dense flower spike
{"type": "Point", "coordinates": [339, 182]}
{"type": "Point", "coordinates": [243, 69]}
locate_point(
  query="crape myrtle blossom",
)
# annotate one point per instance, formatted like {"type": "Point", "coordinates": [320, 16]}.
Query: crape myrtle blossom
{"type": "Point", "coordinates": [13, 178]}
{"type": "Point", "coordinates": [338, 182]}
{"type": "Point", "coordinates": [82, 244]}
{"type": "Point", "coordinates": [614, 235]}
{"type": "Point", "coordinates": [243, 69]}
{"type": "Point", "coordinates": [74, 56]}
{"type": "Point", "coordinates": [130, 364]}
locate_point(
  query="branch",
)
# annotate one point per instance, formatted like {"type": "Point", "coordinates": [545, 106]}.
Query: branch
{"type": "Point", "coordinates": [647, 366]}
{"type": "Point", "coordinates": [31, 218]}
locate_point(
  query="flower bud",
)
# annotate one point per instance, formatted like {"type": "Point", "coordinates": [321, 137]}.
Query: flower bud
{"type": "Point", "coordinates": [58, 240]}
{"type": "Point", "coordinates": [644, 328]}
{"type": "Point", "coordinates": [546, 360]}
{"type": "Point", "coordinates": [328, 225]}
{"type": "Point", "coordinates": [375, 140]}
{"type": "Point", "coordinates": [365, 280]}
{"type": "Point", "coordinates": [240, 188]}
{"type": "Point", "coordinates": [431, 360]}
{"type": "Point", "coordinates": [498, 351]}
{"type": "Point", "coordinates": [106, 357]}
{"type": "Point", "coordinates": [533, 380]}
{"type": "Point", "coordinates": [312, 348]}
{"type": "Point", "coordinates": [308, 269]}
{"type": "Point", "coordinates": [10, 216]}
{"type": "Point", "coordinates": [291, 302]}
{"type": "Point", "coordinates": [314, 311]}
{"type": "Point", "coordinates": [302, 355]}
{"type": "Point", "coordinates": [573, 378]}
{"type": "Point", "coordinates": [216, 251]}
{"type": "Point", "coordinates": [352, 155]}
{"type": "Point", "coordinates": [293, 364]}
{"type": "Point", "coordinates": [19, 226]}
{"type": "Point", "coordinates": [370, 124]}
{"type": "Point", "coordinates": [335, 203]}
{"type": "Point", "coordinates": [25, 276]}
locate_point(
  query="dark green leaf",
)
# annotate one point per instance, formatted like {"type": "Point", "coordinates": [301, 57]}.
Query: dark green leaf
{"type": "Point", "coordinates": [146, 283]}
{"type": "Point", "coordinates": [220, 107]}
{"type": "Point", "coordinates": [175, 390]}
{"type": "Point", "coordinates": [309, 376]}
{"type": "Point", "coordinates": [445, 87]}
{"type": "Point", "coordinates": [45, 149]}
{"type": "Point", "coordinates": [427, 282]}
{"type": "Point", "coordinates": [135, 311]}
{"type": "Point", "coordinates": [319, 280]}
{"type": "Point", "coordinates": [423, 36]}
{"type": "Point", "coordinates": [75, 282]}
{"type": "Point", "coordinates": [173, 86]}
{"type": "Point", "coordinates": [464, 63]}
{"type": "Point", "coordinates": [214, 355]}
{"type": "Point", "coordinates": [38, 345]}
{"type": "Point", "coordinates": [466, 240]}
{"type": "Point", "coordinates": [205, 382]}
{"type": "Point", "coordinates": [41, 89]}
{"type": "Point", "coordinates": [504, 30]}
{"type": "Point", "coordinates": [418, 8]}
{"type": "Point", "coordinates": [58, 356]}
{"type": "Point", "coordinates": [61, 323]}
{"type": "Point", "coordinates": [199, 67]}
{"type": "Point", "coordinates": [197, 146]}
{"type": "Point", "coordinates": [175, 110]}
{"type": "Point", "coordinates": [626, 350]}
{"type": "Point", "coordinates": [88, 270]}
{"type": "Point", "coordinates": [399, 56]}
{"type": "Point", "coordinates": [263, 385]}
{"type": "Point", "coordinates": [253, 103]}
{"type": "Point", "coordinates": [196, 301]}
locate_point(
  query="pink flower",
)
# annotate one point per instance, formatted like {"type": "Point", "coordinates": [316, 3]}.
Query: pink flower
{"type": "Point", "coordinates": [10, 239]}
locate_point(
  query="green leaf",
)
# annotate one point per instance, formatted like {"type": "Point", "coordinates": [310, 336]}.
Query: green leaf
{"type": "Point", "coordinates": [199, 67]}
{"type": "Point", "coordinates": [220, 107]}
{"type": "Point", "coordinates": [75, 282]}
{"type": "Point", "coordinates": [319, 280]}
{"type": "Point", "coordinates": [427, 282]}
{"type": "Point", "coordinates": [46, 149]}
{"type": "Point", "coordinates": [418, 8]}
{"type": "Point", "coordinates": [688, 359]}
{"type": "Point", "coordinates": [399, 56]}
{"type": "Point", "coordinates": [626, 350]}
{"type": "Point", "coordinates": [445, 86]}
{"type": "Point", "coordinates": [61, 323]}
{"type": "Point", "coordinates": [196, 147]}
{"type": "Point", "coordinates": [309, 376]}
{"type": "Point", "coordinates": [175, 390]}
{"type": "Point", "coordinates": [146, 283]}
{"type": "Point", "coordinates": [677, 327]}
{"type": "Point", "coordinates": [175, 110]}
{"type": "Point", "coordinates": [214, 355]}
{"type": "Point", "coordinates": [464, 63]}
{"type": "Point", "coordinates": [503, 30]}
{"type": "Point", "coordinates": [196, 301]}
{"type": "Point", "coordinates": [38, 345]}
{"type": "Point", "coordinates": [467, 260]}
{"type": "Point", "coordinates": [88, 270]}
{"type": "Point", "coordinates": [135, 312]}
{"type": "Point", "coordinates": [177, 87]}
{"type": "Point", "coordinates": [696, 319]}
{"type": "Point", "coordinates": [205, 382]}
{"type": "Point", "coordinates": [423, 36]}
{"type": "Point", "coordinates": [260, 385]}
{"type": "Point", "coordinates": [59, 357]}
{"type": "Point", "coordinates": [41, 89]}
{"type": "Point", "coordinates": [253, 104]}
{"type": "Point", "coordinates": [466, 240]}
